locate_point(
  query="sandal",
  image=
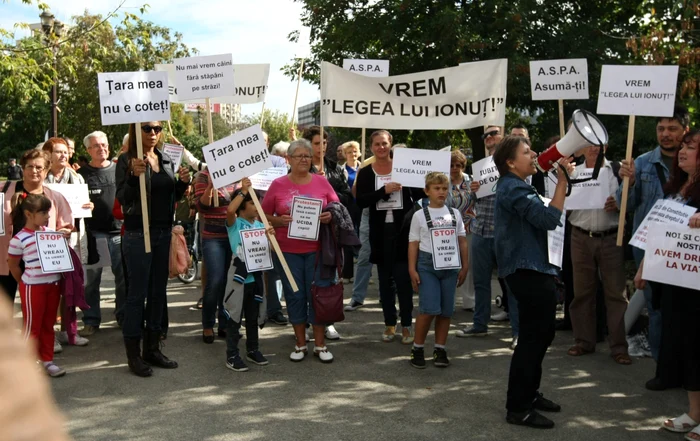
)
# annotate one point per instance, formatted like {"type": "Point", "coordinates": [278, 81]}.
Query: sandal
{"type": "Point", "coordinates": [681, 424]}
{"type": "Point", "coordinates": [622, 359]}
{"type": "Point", "coordinates": [693, 435]}
{"type": "Point", "coordinates": [577, 351]}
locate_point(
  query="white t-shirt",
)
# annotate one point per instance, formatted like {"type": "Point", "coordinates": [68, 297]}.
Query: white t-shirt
{"type": "Point", "coordinates": [23, 245]}
{"type": "Point", "coordinates": [441, 217]}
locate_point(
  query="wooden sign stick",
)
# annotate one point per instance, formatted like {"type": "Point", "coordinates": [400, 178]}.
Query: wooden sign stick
{"type": "Point", "coordinates": [211, 141]}
{"type": "Point", "coordinates": [322, 149]}
{"type": "Point", "coordinates": [142, 190]}
{"type": "Point", "coordinates": [262, 115]}
{"type": "Point", "coordinates": [625, 183]}
{"type": "Point", "coordinates": [364, 135]}
{"type": "Point", "coordinates": [562, 129]}
{"type": "Point", "coordinates": [296, 95]}
{"type": "Point", "coordinates": [273, 241]}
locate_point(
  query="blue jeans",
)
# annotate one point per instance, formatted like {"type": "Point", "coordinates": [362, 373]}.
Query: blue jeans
{"type": "Point", "coordinates": [654, 314]}
{"type": "Point", "coordinates": [217, 257]}
{"type": "Point", "coordinates": [93, 280]}
{"type": "Point", "coordinates": [299, 305]}
{"type": "Point", "coordinates": [436, 292]}
{"type": "Point", "coordinates": [484, 258]}
{"type": "Point", "coordinates": [148, 280]}
{"type": "Point", "coordinates": [364, 267]}
{"type": "Point", "coordinates": [273, 293]}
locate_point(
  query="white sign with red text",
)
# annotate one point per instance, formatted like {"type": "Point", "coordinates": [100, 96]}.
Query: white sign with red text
{"type": "Point", "coordinates": [673, 256]}
{"type": "Point", "coordinates": [256, 250]}
{"type": "Point", "coordinates": [54, 256]}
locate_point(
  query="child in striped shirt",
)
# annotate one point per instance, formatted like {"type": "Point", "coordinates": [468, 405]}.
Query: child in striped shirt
{"type": "Point", "coordinates": [40, 293]}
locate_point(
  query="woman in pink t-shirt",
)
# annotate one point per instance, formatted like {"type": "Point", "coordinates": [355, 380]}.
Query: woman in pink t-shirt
{"type": "Point", "coordinates": [300, 254]}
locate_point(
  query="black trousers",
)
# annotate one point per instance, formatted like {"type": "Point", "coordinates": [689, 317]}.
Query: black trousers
{"type": "Point", "coordinates": [537, 304]}
{"type": "Point", "coordinates": [394, 281]}
{"type": "Point", "coordinates": [250, 312]}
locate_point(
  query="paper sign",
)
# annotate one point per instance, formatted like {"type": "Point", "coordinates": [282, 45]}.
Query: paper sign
{"type": "Point", "coordinates": [637, 90]}
{"type": "Point", "coordinates": [368, 68]}
{"type": "Point", "coordinates": [555, 239]}
{"type": "Point", "coordinates": [673, 255]}
{"type": "Point", "coordinates": [237, 156]}
{"type": "Point", "coordinates": [204, 77]}
{"type": "Point", "coordinates": [2, 217]}
{"type": "Point", "coordinates": [77, 195]}
{"type": "Point", "coordinates": [589, 195]}
{"type": "Point", "coordinates": [54, 256]}
{"type": "Point", "coordinates": [664, 211]}
{"type": "Point", "coordinates": [305, 218]}
{"type": "Point", "coordinates": [462, 97]}
{"type": "Point", "coordinates": [395, 201]}
{"type": "Point", "coordinates": [445, 247]}
{"type": "Point", "coordinates": [303, 46]}
{"type": "Point", "coordinates": [256, 250]}
{"type": "Point", "coordinates": [175, 152]}
{"type": "Point", "coordinates": [486, 173]}
{"type": "Point", "coordinates": [410, 166]}
{"type": "Point", "coordinates": [559, 79]}
{"type": "Point", "coordinates": [262, 180]}
{"type": "Point", "coordinates": [133, 97]}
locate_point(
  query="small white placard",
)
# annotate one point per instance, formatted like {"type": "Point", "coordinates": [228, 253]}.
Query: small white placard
{"type": "Point", "coordinates": [175, 152]}
{"type": "Point", "coordinates": [235, 157]}
{"type": "Point", "coordinates": [133, 97]}
{"type": "Point", "coordinates": [410, 166]}
{"type": "Point", "coordinates": [637, 90]}
{"type": "Point", "coordinates": [305, 218]}
{"type": "Point", "coordinates": [673, 255]}
{"type": "Point", "coordinates": [664, 211]}
{"type": "Point", "coordinates": [77, 195]}
{"type": "Point", "coordinates": [395, 201]}
{"type": "Point", "coordinates": [486, 173]}
{"type": "Point", "coordinates": [2, 218]}
{"type": "Point", "coordinates": [256, 250]}
{"type": "Point", "coordinates": [54, 256]}
{"type": "Point", "coordinates": [555, 239]}
{"type": "Point", "coordinates": [204, 77]}
{"type": "Point", "coordinates": [589, 195]}
{"type": "Point", "coordinates": [262, 180]}
{"type": "Point", "coordinates": [559, 79]}
{"type": "Point", "coordinates": [368, 68]}
{"type": "Point", "coordinates": [445, 247]}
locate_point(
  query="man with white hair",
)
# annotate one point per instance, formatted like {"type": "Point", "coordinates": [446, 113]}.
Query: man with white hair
{"type": "Point", "coordinates": [100, 178]}
{"type": "Point", "coordinates": [276, 161]}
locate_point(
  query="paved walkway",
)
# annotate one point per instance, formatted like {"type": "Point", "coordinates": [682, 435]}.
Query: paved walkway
{"type": "Point", "coordinates": [370, 392]}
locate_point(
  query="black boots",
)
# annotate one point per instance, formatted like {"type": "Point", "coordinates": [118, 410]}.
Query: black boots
{"type": "Point", "coordinates": [133, 354]}
{"type": "Point", "coordinates": [151, 351]}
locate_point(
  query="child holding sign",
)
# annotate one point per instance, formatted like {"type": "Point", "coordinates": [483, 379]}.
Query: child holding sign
{"type": "Point", "coordinates": [437, 263]}
{"type": "Point", "coordinates": [244, 292]}
{"type": "Point", "coordinates": [40, 293]}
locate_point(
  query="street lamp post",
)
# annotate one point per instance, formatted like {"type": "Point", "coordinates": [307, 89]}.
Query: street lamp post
{"type": "Point", "coordinates": [53, 29]}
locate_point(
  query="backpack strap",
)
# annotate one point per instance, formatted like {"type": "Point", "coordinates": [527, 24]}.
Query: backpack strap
{"type": "Point", "coordinates": [660, 173]}
{"type": "Point", "coordinates": [428, 220]}
{"type": "Point", "coordinates": [615, 165]}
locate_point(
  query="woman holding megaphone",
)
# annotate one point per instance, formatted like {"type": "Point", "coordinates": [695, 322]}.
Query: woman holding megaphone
{"type": "Point", "coordinates": [522, 220]}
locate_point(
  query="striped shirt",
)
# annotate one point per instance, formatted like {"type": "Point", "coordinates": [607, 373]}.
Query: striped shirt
{"type": "Point", "coordinates": [213, 218]}
{"type": "Point", "coordinates": [23, 245]}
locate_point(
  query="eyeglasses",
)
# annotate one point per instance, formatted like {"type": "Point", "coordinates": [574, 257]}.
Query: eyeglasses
{"type": "Point", "coordinates": [491, 133]}
{"type": "Point", "coordinates": [38, 168]}
{"type": "Point", "coordinates": [301, 157]}
{"type": "Point", "coordinates": [155, 129]}
{"type": "Point", "coordinates": [103, 145]}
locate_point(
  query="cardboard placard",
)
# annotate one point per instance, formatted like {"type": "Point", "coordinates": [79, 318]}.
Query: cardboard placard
{"type": "Point", "coordinates": [303, 46]}
{"type": "Point", "coordinates": [664, 211]}
{"type": "Point", "coordinates": [673, 255]}
{"type": "Point", "coordinates": [368, 68]}
{"type": "Point", "coordinates": [52, 249]}
{"type": "Point", "coordinates": [395, 201]}
{"type": "Point", "coordinates": [262, 180]}
{"type": "Point", "coordinates": [133, 97]}
{"type": "Point", "coordinates": [237, 156]}
{"type": "Point", "coordinates": [176, 152]}
{"type": "Point", "coordinates": [555, 239]}
{"type": "Point", "coordinates": [589, 195]}
{"type": "Point", "coordinates": [305, 218]}
{"type": "Point", "coordinates": [77, 195]}
{"type": "Point", "coordinates": [204, 77]}
{"type": "Point", "coordinates": [486, 173]}
{"type": "Point", "coordinates": [256, 250]}
{"type": "Point", "coordinates": [559, 79]}
{"type": "Point", "coordinates": [445, 246]}
{"type": "Point", "coordinates": [410, 166]}
{"type": "Point", "coordinates": [637, 90]}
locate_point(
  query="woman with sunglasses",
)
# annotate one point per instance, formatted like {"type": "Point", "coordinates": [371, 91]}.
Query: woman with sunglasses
{"type": "Point", "coordinates": [147, 273]}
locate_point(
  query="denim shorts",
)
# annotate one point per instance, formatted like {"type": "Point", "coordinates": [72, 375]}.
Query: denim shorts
{"type": "Point", "coordinates": [436, 292]}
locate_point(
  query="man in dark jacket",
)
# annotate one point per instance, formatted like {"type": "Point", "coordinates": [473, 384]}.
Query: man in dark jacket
{"type": "Point", "coordinates": [14, 171]}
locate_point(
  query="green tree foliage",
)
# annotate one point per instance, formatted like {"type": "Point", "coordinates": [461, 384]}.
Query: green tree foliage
{"type": "Point", "coordinates": [276, 124]}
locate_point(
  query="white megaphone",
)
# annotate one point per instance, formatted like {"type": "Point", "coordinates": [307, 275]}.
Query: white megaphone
{"type": "Point", "coordinates": [586, 130]}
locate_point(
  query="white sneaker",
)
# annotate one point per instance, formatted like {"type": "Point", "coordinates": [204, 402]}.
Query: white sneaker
{"type": "Point", "coordinates": [644, 345]}
{"type": "Point", "coordinates": [634, 348]}
{"type": "Point", "coordinates": [500, 317]}
{"type": "Point", "coordinates": [331, 333]}
{"type": "Point", "coordinates": [53, 371]}
{"type": "Point", "coordinates": [57, 348]}
{"type": "Point", "coordinates": [62, 337]}
{"type": "Point", "coordinates": [323, 354]}
{"type": "Point", "coordinates": [299, 353]}
{"type": "Point", "coordinates": [407, 335]}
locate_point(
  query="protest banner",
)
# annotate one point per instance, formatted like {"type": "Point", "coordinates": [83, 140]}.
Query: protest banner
{"type": "Point", "coordinates": [673, 256]}
{"type": "Point", "coordinates": [636, 91]}
{"type": "Point", "coordinates": [305, 218]}
{"type": "Point", "coordinates": [555, 239]}
{"type": "Point", "coordinates": [589, 195]}
{"type": "Point", "coordinates": [52, 249]}
{"type": "Point", "coordinates": [559, 80]}
{"type": "Point", "coordinates": [395, 201]}
{"type": "Point", "coordinates": [410, 166]}
{"type": "Point", "coordinates": [664, 211]}
{"type": "Point", "coordinates": [486, 174]}
{"type": "Point", "coordinates": [2, 218]}
{"type": "Point", "coordinates": [462, 97]}
{"type": "Point", "coordinates": [237, 156]}
{"type": "Point", "coordinates": [135, 97]}
{"type": "Point", "coordinates": [262, 180]}
{"type": "Point", "coordinates": [256, 250]}
{"type": "Point", "coordinates": [204, 77]}
{"type": "Point", "coordinates": [77, 195]}
{"type": "Point", "coordinates": [175, 152]}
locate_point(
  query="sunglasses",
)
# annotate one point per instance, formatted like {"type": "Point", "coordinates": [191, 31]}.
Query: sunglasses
{"type": "Point", "coordinates": [155, 129]}
{"type": "Point", "coordinates": [491, 133]}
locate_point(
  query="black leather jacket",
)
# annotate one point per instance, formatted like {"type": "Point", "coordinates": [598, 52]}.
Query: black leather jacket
{"type": "Point", "coordinates": [336, 177]}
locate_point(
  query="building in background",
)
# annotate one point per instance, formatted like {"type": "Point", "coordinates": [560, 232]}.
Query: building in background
{"type": "Point", "coordinates": [230, 113]}
{"type": "Point", "coordinates": [309, 115]}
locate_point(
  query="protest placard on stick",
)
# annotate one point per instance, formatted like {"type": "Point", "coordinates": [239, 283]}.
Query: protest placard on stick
{"type": "Point", "coordinates": [237, 156]}
{"type": "Point", "coordinates": [77, 195]}
{"type": "Point", "coordinates": [410, 166]}
{"type": "Point", "coordinates": [486, 174]}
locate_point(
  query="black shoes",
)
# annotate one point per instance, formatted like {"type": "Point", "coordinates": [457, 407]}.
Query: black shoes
{"type": "Point", "coordinates": [563, 325]}
{"type": "Point", "coordinates": [278, 318]}
{"type": "Point", "coordinates": [221, 332]}
{"type": "Point", "coordinates": [152, 354]}
{"type": "Point", "coordinates": [417, 358]}
{"type": "Point", "coordinates": [529, 418]}
{"type": "Point", "coordinates": [257, 358]}
{"type": "Point", "coordinates": [235, 363]}
{"type": "Point", "coordinates": [440, 358]}
{"type": "Point", "coordinates": [208, 339]}
{"type": "Point", "coordinates": [545, 405]}
{"type": "Point", "coordinates": [133, 354]}
{"type": "Point", "coordinates": [655, 384]}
